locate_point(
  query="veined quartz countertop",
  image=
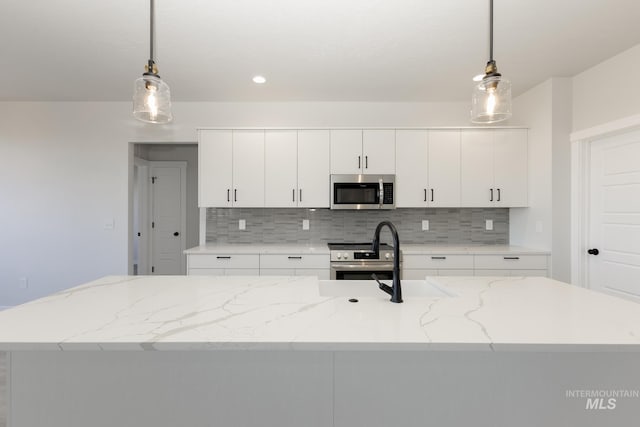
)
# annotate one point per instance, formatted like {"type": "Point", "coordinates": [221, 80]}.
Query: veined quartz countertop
{"type": "Point", "coordinates": [217, 313]}
{"type": "Point", "coordinates": [320, 248]}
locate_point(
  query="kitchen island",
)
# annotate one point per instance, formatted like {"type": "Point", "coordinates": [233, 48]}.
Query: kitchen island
{"type": "Point", "coordinates": [245, 351]}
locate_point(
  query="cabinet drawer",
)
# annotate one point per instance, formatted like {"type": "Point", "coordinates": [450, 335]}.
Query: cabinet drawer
{"type": "Point", "coordinates": [511, 262]}
{"type": "Point", "coordinates": [436, 261]}
{"type": "Point", "coordinates": [223, 261]}
{"type": "Point", "coordinates": [294, 261]}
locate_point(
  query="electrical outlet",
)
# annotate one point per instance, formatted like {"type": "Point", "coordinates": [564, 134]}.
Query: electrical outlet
{"type": "Point", "coordinates": [23, 283]}
{"type": "Point", "coordinates": [109, 224]}
{"type": "Point", "coordinates": [242, 224]}
{"type": "Point", "coordinates": [425, 225]}
{"type": "Point", "coordinates": [488, 224]}
{"type": "Point", "coordinates": [305, 224]}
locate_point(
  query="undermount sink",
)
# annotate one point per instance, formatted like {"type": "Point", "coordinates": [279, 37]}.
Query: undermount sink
{"type": "Point", "coordinates": [369, 288]}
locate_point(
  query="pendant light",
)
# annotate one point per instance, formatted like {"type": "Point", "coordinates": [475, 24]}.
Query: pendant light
{"type": "Point", "coordinates": [491, 100]}
{"type": "Point", "coordinates": [151, 96]}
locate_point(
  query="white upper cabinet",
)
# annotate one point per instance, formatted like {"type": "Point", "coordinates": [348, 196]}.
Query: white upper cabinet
{"type": "Point", "coordinates": [281, 168]}
{"type": "Point", "coordinates": [215, 159]}
{"type": "Point", "coordinates": [248, 168]}
{"type": "Point", "coordinates": [346, 151]}
{"type": "Point", "coordinates": [428, 168]}
{"type": "Point", "coordinates": [443, 169]}
{"type": "Point", "coordinates": [231, 168]}
{"type": "Point", "coordinates": [411, 168]}
{"type": "Point", "coordinates": [494, 168]}
{"type": "Point", "coordinates": [313, 168]}
{"type": "Point", "coordinates": [297, 168]}
{"type": "Point", "coordinates": [379, 151]}
{"type": "Point", "coordinates": [363, 152]}
{"type": "Point", "coordinates": [510, 167]}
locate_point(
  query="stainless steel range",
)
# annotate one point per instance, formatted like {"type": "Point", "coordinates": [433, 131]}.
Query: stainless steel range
{"type": "Point", "coordinates": [356, 261]}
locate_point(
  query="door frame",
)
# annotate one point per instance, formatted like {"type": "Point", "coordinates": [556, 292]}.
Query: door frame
{"type": "Point", "coordinates": [183, 207]}
{"type": "Point", "coordinates": [144, 216]}
{"type": "Point", "coordinates": [580, 190]}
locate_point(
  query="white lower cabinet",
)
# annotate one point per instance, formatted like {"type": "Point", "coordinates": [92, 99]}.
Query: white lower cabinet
{"type": "Point", "coordinates": [259, 265]}
{"type": "Point", "coordinates": [223, 264]}
{"type": "Point", "coordinates": [418, 266]}
{"type": "Point", "coordinates": [295, 265]}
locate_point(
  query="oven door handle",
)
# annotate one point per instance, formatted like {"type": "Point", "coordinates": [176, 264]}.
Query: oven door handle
{"type": "Point", "coordinates": [381, 192]}
{"type": "Point", "coordinates": [356, 267]}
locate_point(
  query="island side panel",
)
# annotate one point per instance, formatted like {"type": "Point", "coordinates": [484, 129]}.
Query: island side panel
{"type": "Point", "coordinates": [149, 388]}
{"type": "Point", "coordinates": [485, 388]}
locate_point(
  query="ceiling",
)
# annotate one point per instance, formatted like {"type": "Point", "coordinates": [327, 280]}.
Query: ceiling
{"type": "Point", "coordinates": [309, 50]}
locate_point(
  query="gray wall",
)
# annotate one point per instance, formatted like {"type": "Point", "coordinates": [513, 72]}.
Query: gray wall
{"type": "Point", "coordinates": [447, 226]}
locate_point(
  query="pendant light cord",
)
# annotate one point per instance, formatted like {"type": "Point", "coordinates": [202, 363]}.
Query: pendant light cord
{"type": "Point", "coordinates": [490, 30]}
{"type": "Point", "coordinates": [151, 28]}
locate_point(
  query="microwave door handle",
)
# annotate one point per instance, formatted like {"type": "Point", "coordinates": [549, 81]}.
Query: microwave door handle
{"type": "Point", "coordinates": [381, 193]}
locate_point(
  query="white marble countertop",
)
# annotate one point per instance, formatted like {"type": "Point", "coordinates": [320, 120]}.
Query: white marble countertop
{"type": "Point", "coordinates": [407, 249]}
{"type": "Point", "coordinates": [217, 313]}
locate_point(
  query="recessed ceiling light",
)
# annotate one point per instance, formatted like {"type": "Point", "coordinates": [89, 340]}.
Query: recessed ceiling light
{"type": "Point", "coordinates": [259, 79]}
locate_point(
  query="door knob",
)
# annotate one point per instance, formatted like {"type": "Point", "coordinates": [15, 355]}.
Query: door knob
{"type": "Point", "coordinates": [176, 234]}
{"type": "Point", "coordinates": [593, 251]}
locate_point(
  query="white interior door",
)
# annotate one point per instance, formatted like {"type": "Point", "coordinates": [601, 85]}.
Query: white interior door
{"type": "Point", "coordinates": [615, 216]}
{"type": "Point", "coordinates": [168, 205]}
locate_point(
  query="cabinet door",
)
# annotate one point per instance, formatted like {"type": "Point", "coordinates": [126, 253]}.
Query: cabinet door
{"type": "Point", "coordinates": [510, 167]}
{"type": "Point", "coordinates": [346, 151]}
{"type": "Point", "coordinates": [476, 168]}
{"type": "Point", "coordinates": [379, 151]}
{"type": "Point", "coordinates": [444, 168]}
{"type": "Point", "coordinates": [248, 168]}
{"type": "Point", "coordinates": [411, 168]}
{"type": "Point", "coordinates": [313, 168]}
{"type": "Point", "coordinates": [215, 168]}
{"type": "Point", "coordinates": [280, 168]}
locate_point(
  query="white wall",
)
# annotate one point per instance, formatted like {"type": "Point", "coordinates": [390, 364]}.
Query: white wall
{"type": "Point", "coordinates": [608, 91]}
{"type": "Point", "coordinates": [66, 171]}
{"type": "Point", "coordinates": [534, 110]}
{"type": "Point", "coordinates": [545, 224]}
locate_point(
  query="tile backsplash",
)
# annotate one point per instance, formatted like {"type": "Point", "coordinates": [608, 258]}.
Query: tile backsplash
{"type": "Point", "coordinates": [446, 226]}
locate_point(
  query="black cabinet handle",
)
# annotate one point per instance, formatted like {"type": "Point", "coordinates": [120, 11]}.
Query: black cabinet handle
{"type": "Point", "coordinates": [293, 195]}
{"type": "Point", "coordinates": [359, 166]}
{"type": "Point", "coordinates": [512, 257]}
{"type": "Point", "coordinates": [300, 198]}
{"type": "Point", "coordinates": [491, 199]}
{"type": "Point", "coordinates": [498, 195]}
{"type": "Point", "coordinates": [438, 257]}
{"type": "Point", "coordinates": [432, 194]}
{"type": "Point", "coordinates": [176, 234]}
{"type": "Point", "coordinates": [425, 194]}
{"type": "Point", "coordinates": [223, 257]}
{"type": "Point", "coordinates": [235, 195]}
{"type": "Point", "coordinates": [366, 162]}
{"type": "Point", "coordinates": [295, 257]}
{"type": "Point", "coordinates": [228, 197]}
{"type": "Point", "coordinates": [593, 251]}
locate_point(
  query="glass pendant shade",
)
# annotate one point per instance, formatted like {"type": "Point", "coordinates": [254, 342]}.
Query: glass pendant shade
{"type": "Point", "coordinates": [491, 100]}
{"type": "Point", "coordinates": [151, 100]}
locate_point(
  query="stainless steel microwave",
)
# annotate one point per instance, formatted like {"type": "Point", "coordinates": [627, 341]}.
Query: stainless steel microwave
{"type": "Point", "coordinates": [363, 191]}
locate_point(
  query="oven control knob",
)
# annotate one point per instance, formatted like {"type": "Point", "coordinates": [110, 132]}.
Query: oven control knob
{"type": "Point", "coordinates": [345, 256]}
{"type": "Point", "coordinates": [387, 256]}
{"type": "Point", "coordinates": [339, 256]}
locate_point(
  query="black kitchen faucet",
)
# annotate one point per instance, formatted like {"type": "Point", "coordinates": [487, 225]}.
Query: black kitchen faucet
{"type": "Point", "coordinates": [395, 290]}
